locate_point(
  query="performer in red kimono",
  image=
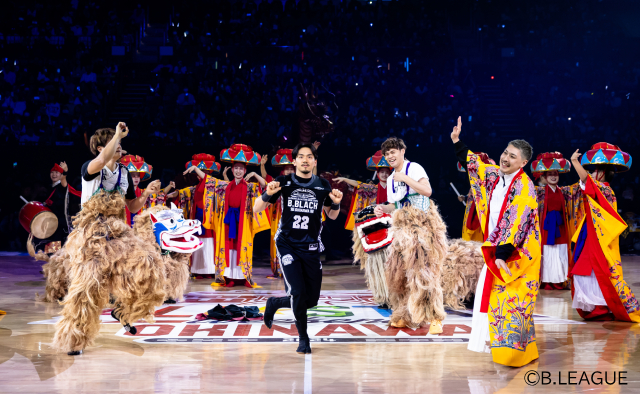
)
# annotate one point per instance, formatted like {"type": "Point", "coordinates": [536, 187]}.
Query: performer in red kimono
{"type": "Point", "coordinates": [192, 200]}
{"type": "Point", "coordinates": [233, 219]}
{"type": "Point", "coordinates": [553, 219]}
{"type": "Point", "coordinates": [599, 290]}
{"type": "Point", "coordinates": [365, 194]}
{"type": "Point", "coordinates": [284, 160]}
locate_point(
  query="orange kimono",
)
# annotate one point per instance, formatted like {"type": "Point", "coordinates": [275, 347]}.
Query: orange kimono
{"type": "Point", "coordinates": [509, 300]}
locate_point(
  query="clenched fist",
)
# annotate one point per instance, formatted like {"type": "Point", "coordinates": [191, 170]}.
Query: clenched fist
{"type": "Point", "coordinates": [336, 196]}
{"type": "Point", "coordinates": [273, 188]}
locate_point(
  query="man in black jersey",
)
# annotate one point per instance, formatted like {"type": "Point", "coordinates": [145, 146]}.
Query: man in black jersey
{"type": "Point", "coordinates": [304, 197]}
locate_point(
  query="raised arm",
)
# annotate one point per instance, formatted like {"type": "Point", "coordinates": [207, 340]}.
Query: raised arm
{"type": "Point", "coordinates": [575, 160]}
{"type": "Point", "coordinates": [260, 179]}
{"type": "Point", "coordinates": [263, 162]}
{"type": "Point", "coordinates": [198, 172]}
{"type": "Point", "coordinates": [171, 185]}
{"type": "Point", "coordinates": [63, 180]}
{"type": "Point", "coordinates": [137, 203]}
{"type": "Point", "coordinates": [348, 181]}
{"type": "Point", "coordinates": [460, 148]}
{"type": "Point", "coordinates": [107, 153]}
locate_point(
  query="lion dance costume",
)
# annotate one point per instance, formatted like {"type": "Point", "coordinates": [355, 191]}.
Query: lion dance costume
{"type": "Point", "coordinates": [105, 259]}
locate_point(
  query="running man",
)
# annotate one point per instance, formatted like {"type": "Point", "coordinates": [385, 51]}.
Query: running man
{"type": "Point", "coordinates": [298, 243]}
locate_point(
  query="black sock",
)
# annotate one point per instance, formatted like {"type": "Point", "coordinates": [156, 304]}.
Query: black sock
{"type": "Point", "coordinates": [273, 304]}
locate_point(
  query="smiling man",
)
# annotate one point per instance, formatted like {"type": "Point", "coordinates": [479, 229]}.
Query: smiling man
{"type": "Point", "coordinates": [407, 184]}
{"type": "Point", "coordinates": [507, 289]}
{"type": "Point", "coordinates": [304, 197]}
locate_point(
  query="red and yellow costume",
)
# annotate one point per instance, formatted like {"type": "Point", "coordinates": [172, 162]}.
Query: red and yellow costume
{"type": "Point", "coordinates": [136, 164]}
{"type": "Point", "coordinates": [599, 290]}
{"type": "Point", "coordinates": [554, 216]}
{"type": "Point", "coordinates": [471, 229]}
{"type": "Point", "coordinates": [366, 194]}
{"type": "Point", "coordinates": [282, 158]}
{"type": "Point", "coordinates": [194, 202]}
{"type": "Point", "coordinates": [509, 300]}
{"type": "Point", "coordinates": [229, 212]}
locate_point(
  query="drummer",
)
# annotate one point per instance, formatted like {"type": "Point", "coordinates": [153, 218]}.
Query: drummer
{"type": "Point", "coordinates": [64, 202]}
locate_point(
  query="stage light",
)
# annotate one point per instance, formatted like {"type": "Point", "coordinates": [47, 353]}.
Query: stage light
{"type": "Point", "coordinates": [503, 26]}
{"type": "Point", "coordinates": [356, 83]}
{"type": "Point", "coordinates": [569, 119]}
{"type": "Point", "coordinates": [479, 29]}
{"type": "Point", "coordinates": [492, 77]}
{"type": "Point", "coordinates": [304, 30]}
{"type": "Point", "coordinates": [210, 133]}
{"type": "Point", "coordinates": [451, 95]}
{"type": "Point", "coordinates": [371, 24]}
{"type": "Point", "coordinates": [606, 87]}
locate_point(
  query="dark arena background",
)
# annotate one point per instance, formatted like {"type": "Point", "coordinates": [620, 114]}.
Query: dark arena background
{"type": "Point", "coordinates": [197, 76]}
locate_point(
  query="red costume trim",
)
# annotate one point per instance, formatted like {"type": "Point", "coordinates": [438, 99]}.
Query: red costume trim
{"type": "Point", "coordinates": [489, 252]}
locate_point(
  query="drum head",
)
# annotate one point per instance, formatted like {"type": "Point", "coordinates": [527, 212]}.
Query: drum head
{"type": "Point", "coordinates": [44, 225]}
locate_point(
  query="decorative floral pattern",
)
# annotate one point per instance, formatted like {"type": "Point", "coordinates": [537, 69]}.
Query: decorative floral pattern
{"type": "Point", "coordinates": [511, 321]}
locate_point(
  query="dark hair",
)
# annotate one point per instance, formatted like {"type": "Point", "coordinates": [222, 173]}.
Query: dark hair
{"type": "Point", "coordinates": [609, 171]}
{"type": "Point", "coordinates": [100, 138]}
{"type": "Point", "coordinates": [392, 143]}
{"type": "Point", "coordinates": [525, 148]}
{"type": "Point", "coordinates": [300, 146]}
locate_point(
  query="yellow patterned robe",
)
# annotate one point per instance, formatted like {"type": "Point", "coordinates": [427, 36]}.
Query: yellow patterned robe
{"type": "Point", "coordinates": [214, 210]}
{"type": "Point", "coordinates": [275, 214]}
{"type": "Point", "coordinates": [600, 225]}
{"type": "Point", "coordinates": [469, 234]}
{"type": "Point", "coordinates": [509, 300]}
{"type": "Point", "coordinates": [363, 195]}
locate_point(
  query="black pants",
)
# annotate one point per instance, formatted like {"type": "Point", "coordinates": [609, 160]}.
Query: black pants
{"type": "Point", "coordinates": [302, 272]}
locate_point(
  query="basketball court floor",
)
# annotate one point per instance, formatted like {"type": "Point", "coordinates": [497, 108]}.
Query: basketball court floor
{"type": "Point", "coordinates": [354, 351]}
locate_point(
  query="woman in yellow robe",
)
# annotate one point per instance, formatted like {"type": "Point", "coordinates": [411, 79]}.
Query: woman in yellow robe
{"type": "Point", "coordinates": [599, 291]}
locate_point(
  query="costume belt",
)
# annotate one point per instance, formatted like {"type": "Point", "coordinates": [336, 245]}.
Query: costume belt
{"type": "Point", "coordinates": [232, 218]}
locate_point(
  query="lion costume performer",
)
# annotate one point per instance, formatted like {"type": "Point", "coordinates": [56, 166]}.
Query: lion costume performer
{"type": "Point", "coordinates": [138, 268]}
{"type": "Point", "coordinates": [371, 238]}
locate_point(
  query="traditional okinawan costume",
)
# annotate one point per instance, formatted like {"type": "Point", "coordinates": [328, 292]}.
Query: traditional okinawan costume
{"type": "Point", "coordinates": [553, 217]}
{"type": "Point", "coordinates": [197, 204]}
{"type": "Point", "coordinates": [471, 229]}
{"type": "Point", "coordinates": [234, 222]}
{"type": "Point", "coordinates": [504, 304]}
{"type": "Point", "coordinates": [136, 164]}
{"type": "Point", "coordinates": [366, 194]}
{"type": "Point", "coordinates": [64, 202]}
{"type": "Point", "coordinates": [282, 158]}
{"type": "Point", "coordinates": [599, 290]}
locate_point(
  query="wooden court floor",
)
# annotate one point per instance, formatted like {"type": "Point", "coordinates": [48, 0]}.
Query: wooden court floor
{"type": "Point", "coordinates": [352, 353]}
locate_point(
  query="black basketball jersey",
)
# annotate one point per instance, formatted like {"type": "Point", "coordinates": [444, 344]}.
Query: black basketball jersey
{"type": "Point", "coordinates": [302, 202]}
